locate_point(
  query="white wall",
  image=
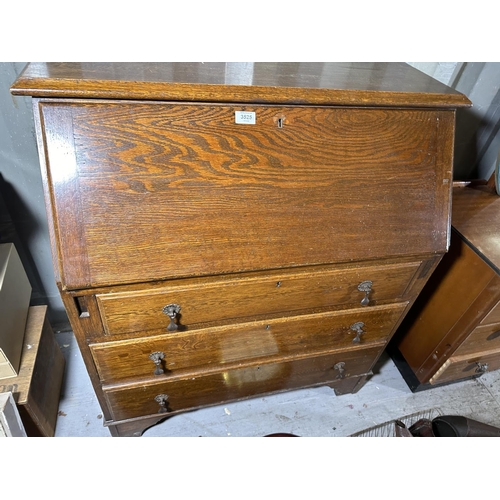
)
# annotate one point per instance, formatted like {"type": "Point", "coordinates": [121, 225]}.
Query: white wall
{"type": "Point", "coordinates": [477, 140]}
{"type": "Point", "coordinates": [22, 193]}
{"type": "Point", "coordinates": [442, 71]}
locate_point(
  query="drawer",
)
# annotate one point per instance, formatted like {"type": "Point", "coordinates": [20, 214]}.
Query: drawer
{"type": "Point", "coordinates": [493, 316]}
{"type": "Point", "coordinates": [212, 301]}
{"type": "Point", "coordinates": [482, 338]}
{"type": "Point", "coordinates": [208, 196]}
{"type": "Point", "coordinates": [192, 392]}
{"type": "Point", "coordinates": [212, 348]}
{"type": "Point", "coordinates": [460, 367]}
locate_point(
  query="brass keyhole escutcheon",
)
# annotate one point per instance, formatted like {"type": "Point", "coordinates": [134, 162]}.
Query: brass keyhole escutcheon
{"type": "Point", "coordinates": [280, 121]}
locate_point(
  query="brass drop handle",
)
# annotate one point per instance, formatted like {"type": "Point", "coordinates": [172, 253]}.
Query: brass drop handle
{"type": "Point", "coordinates": [172, 310]}
{"type": "Point", "coordinates": [156, 358]}
{"type": "Point", "coordinates": [340, 366]}
{"type": "Point", "coordinates": [358, 328]}
{"type": "Point", "coordinates": [366, 288]}
{"type": "Point", "coordinates": [162, 399]}
{"type": "Point", "coordinates": [481, 367]}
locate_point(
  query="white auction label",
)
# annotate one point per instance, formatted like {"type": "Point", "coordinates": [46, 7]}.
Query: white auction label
{"type": "Point", "coordinates": [247, 117]}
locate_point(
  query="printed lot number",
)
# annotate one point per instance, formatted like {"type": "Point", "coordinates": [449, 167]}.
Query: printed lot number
{"type": "Point", "coordinates": [247, 117]}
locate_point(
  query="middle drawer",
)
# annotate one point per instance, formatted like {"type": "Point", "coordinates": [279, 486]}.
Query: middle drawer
{"type": "Point", "coordinates": [206, 301]}
{"type": "Point", "coordinates": [211, 348]}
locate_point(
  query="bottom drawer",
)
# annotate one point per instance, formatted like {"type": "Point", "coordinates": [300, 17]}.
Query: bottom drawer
{"type": "Point", "coordinates": [185, 393]}
{"type": "Point", "coordinates": [460, 367]}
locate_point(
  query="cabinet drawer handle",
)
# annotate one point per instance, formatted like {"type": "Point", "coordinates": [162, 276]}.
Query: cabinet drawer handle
{"type": "Point", "coordinates": [358, 328]}
{"type": "Point", "coordinates": [162, 399]}
{"type": "Point", "coordinates": [366, 288]}
{"type": "Point", "coordinates": [481, 367]}
{"type": "Point", "coordinates": [156, 358]}
{"type": "Point", "coordinates": [340, 366]}
{"type": "Point", "coordinates": [172, 310]}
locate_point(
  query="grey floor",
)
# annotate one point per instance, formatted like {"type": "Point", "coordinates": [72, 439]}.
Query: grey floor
{"type": "Point", "coordinates": [316, 412]}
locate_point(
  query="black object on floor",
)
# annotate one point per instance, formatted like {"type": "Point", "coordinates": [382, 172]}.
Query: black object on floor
{"type": "Point", "coordinates": [452, 426]}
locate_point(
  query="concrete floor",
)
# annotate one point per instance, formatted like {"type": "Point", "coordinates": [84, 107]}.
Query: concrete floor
{"type": "Point", "coordinates": [316, 412]}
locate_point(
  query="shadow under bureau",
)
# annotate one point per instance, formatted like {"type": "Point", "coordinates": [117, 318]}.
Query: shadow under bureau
{"type": "Point", "coordinates": [223, 231]}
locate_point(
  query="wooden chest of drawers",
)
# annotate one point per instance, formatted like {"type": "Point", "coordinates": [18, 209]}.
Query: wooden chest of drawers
{"type": "Point", "coordinates": [219, 235]}
{"type": "Point", "coordinates": [453, 331]}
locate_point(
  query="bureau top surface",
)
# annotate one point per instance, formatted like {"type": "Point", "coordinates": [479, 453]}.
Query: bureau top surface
{"type": "Point", "coordinates": [476, 216]}
{"type": "Point", "coordinates": [313, 83]}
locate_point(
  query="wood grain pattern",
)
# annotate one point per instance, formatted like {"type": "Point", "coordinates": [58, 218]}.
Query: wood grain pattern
{"type": "Point", "coordinates": [136, 426]}
{"type": "Point", "coordinates": [493, 316]}
{"type": "Point", "coordinates": [48, 200]}
{"type": "Point", "coordinates": [212, 348]}
{"type": "Point", "coordinates": [437, 318]}
{"type": "Point", "coordinates": [188, 393]}
{"type": "Point", "coordinates": [462, 367]}
{"type": "Point", "coordinates": [37, 388]}
{"type": "Point", "coordinates": [476, 215]}
{"type": "Point", "coordinates": [482, 338]}
{"type": "Point", "coordinates": [209, 301]}
{"type": "Point", "coordinates": [354, 84]}
{"type": "Point", "coordinates": [244, 198]}
{"type": "Point", "coordinates": [262, 232]}
{"type": "Point", "coordinates": [470, 318]}
{"type": "Point", "coordinates": [85, 329]}
{"type": "Point", "coordinates": [64, 191]}
{"type": "Point", "coordinates": [458, 311]}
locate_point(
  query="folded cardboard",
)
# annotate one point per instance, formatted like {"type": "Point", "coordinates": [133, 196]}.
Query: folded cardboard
{"type": "Point", "coordinates": [15, 294]}
{"type": "Point", "coordinates": [11, 424]}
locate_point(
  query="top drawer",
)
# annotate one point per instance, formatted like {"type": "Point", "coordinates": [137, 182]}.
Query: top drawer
{"type": "Point", "coordinates": [148, 191]}
{"type": "Point", "coordinates": [205, 301]}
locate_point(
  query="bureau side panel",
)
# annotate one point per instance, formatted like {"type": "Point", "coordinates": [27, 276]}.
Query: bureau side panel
{"type": "Point", "coordinates": [161, 190]}
{"type": "Point", "coordinates": [61, 181]}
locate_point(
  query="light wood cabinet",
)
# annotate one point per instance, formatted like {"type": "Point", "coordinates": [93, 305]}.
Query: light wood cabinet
{"type": "Point", "coordinates": [453, 331]}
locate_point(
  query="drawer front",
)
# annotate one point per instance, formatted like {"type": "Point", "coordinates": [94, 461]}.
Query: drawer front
{"type": "Point", "coordinates": [182, 190]}
{"type": "Point", "coordinates": [219, 346]}
{"type": "Point", "coordinates": [482, 338]}
{"type": "Point", "coordinates": [460, 367]}
{"type": "Point", "coordinates": [189, 393]}
{"type": "Point", "coordinates": [493, 316]}
{"type": "Point", "coordinates": [205, 302]}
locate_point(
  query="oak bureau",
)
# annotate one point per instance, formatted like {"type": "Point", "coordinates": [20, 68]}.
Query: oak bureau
{"type": "Point", "coordinates": [227, 230]}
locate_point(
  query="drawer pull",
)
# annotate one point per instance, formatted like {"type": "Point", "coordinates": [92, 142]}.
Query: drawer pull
{"type": "Point", "coordinates": [341, 368]}
{"type": "Point", "coordinates": [172, 310]}
{"type": "Point", "coordinates": [358, 328]}
{"type": "Point", "coordinates": [162, 399]}
{"type": "Point", "coordinates": [481, 367]}
{"type": "Point", "coordinates": [366, 288]}
{"type": "Point", "coordinates": [156, 358]}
